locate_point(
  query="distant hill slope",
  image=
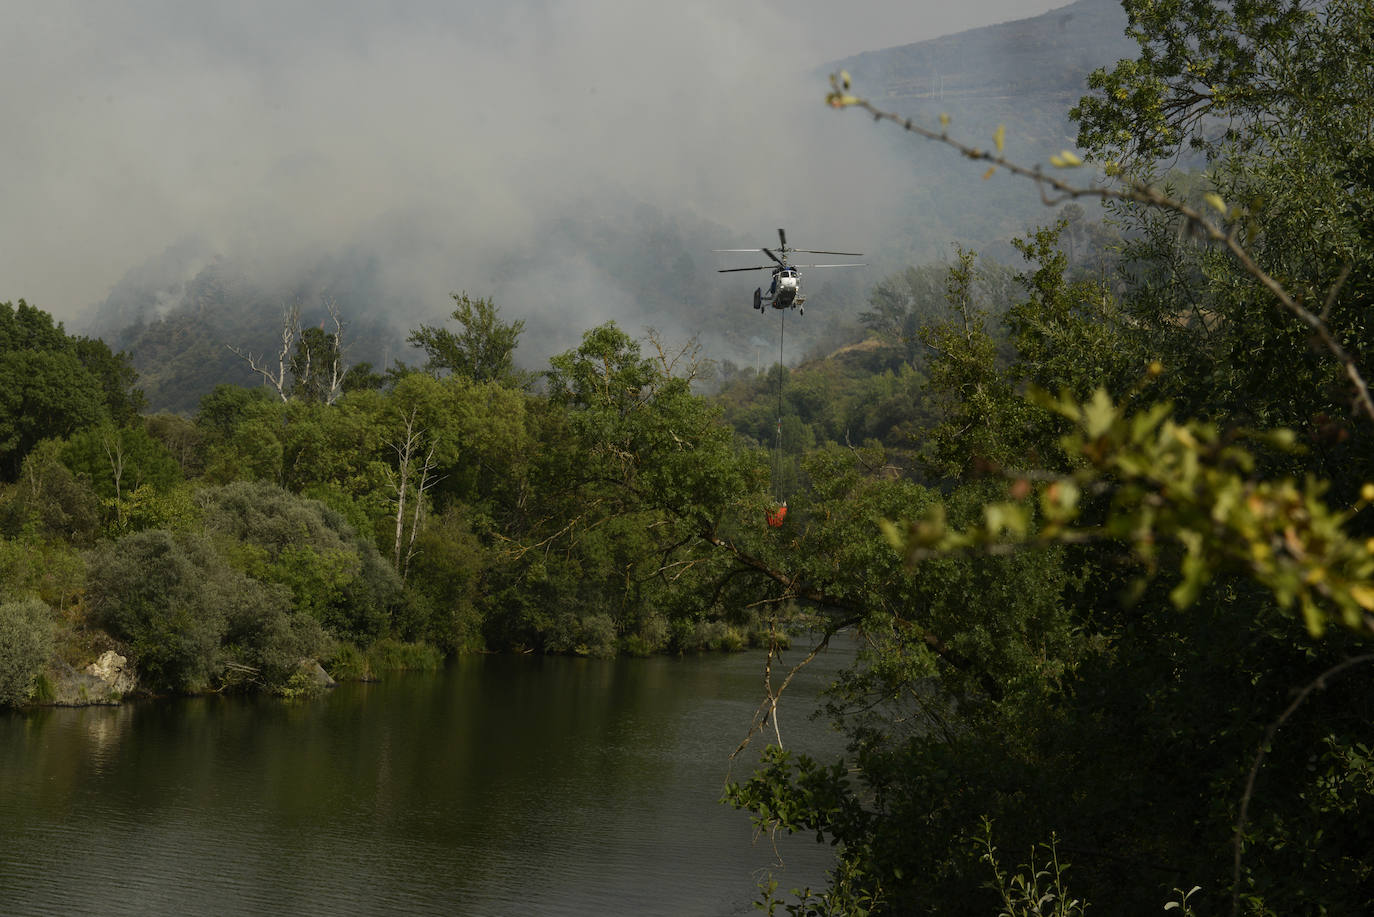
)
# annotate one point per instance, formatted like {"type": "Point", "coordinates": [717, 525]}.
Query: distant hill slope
{"type": "Point", "coordinates": [1024, 75]}
{"type": "Point", "coordinates": [176, 316]}
{"type": "Point", "coordinates": [1012, 73]}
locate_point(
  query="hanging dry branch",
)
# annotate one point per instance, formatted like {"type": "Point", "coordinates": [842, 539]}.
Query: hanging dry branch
{"type": "Point", "coordinates": [1055, 190]}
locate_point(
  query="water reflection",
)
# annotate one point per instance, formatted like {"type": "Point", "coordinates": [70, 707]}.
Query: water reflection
{"type": "Point", "coordinates": [502, 785]}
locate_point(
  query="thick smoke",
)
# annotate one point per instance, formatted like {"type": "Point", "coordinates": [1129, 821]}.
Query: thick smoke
{"type": "Point", "coordinates": [447, 142]}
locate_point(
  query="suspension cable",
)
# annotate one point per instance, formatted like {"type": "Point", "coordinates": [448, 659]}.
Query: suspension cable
{"type": "Point", "coordinates": [777, 449]}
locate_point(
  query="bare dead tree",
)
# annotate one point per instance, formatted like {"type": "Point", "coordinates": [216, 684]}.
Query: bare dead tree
{"type": "Point", "coordinates": [290, 333]}
{"type": "Point", "coordinates": [114, 452]}
{"type": "Point", "coordinates": [426, 481]}
{"type": "Point", "coordinates": [336, 361]}
{"type": "Point", "coordinates": [685, 363]}
{"type": "Point", "coordinates": [297, 358]}
{"type": "Point", "coordinates": [411, 467]}
{"type": "Point", "coordinates": [405, 451]}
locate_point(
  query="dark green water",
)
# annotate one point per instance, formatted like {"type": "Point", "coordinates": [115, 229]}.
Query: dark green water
{"type": "Point", "coordinates": [502, 785]}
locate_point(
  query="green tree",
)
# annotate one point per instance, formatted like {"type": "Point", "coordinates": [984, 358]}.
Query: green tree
{"type": "Point", "coordinates": [481, 350]}
{"type": "Point", "coordinates": [1212, 76]}
{"type": "Point", "coordinates": [26, 327]}
{"type": "Point", "coordinates": [222, 409]}
{"type": "Point", "coordinates": [612, 539]}
{"type": "Point", "coordinates": [901, 303]}
{"type": "Point", "coordinates": [242, 435]}
{"type": "Point", "coordinates": [362, 377]}
{"type": "Point", "coordinates": [1276, 95]}
{"type": "Point", "coordinates": [1137, 728]}
{"type": "Point", "coordinates": [53, 385]}
{"type": "Point", "coordinates": [182, 439]}
{"type": "Point", "coordinates": [447, 578]}
{"type": "Point", "coordinates": [51, 502]}
{"type": "Point", "coordinates": [116, 376]}
{"type": "Point", "coordinates": [118, 461]}
{"type": "Point", "coordinates": [43, 394]}
{"type": "Point", "coordinates": [982, 424]}
{"type": "Point", "coordinates": [904, 303]}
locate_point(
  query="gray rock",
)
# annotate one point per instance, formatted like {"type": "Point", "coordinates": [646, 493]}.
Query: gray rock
{"type": "Point", "coordinates": [115, 671]}
{"type": "Point", "coordinates": [106, 681]}
{"type": "Point", "coordinates": [315, 675]}
{"type": "Point", "coordinates": [71, 688]}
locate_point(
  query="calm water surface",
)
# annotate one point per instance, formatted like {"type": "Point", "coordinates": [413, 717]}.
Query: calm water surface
{"type": "Point", "coordinates": [502, 785]}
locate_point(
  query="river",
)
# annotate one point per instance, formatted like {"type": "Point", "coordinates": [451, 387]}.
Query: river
{"type": "Point", "coordinates": [500, 785]}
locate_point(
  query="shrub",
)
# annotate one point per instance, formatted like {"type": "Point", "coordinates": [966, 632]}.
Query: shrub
{"type": "Point", "coordinates": [716, 635]}
{"type": "Point", "coordinates": [652, 637]}
{"type": "Point", "coordinates": [185, 614]}
{"type": "Point", "coordinates": [597, 636]}
{"type": "Point", "coordinates": [26, 642]}
{"type": "Point", "coordinates": [333, 574]}
{"type": "Point", "coordinates": [390, 655]}
{"type": "Point", "coordinates": [347, 663]}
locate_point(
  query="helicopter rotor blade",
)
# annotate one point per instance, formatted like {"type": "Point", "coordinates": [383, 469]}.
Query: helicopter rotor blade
{"type": "Point", "coordinates": [728, 270]}
{"type": "Point", "coordinates": [773, 256]}
{"type": "Point", "coordinates": [736, 249]}
{"type": "Point", "coordinates": [782, 237]}
{"type": "Point", "coordinates": [829, 265]}
{"type": "Point", "coordinates": [816, 251]}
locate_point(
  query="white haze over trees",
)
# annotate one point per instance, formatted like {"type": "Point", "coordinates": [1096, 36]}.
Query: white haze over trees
{"type": "Point", "coordinates": [442, 139]}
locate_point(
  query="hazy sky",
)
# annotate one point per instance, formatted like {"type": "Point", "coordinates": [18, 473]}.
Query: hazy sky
{"type": "Point", "coordinates": [448, 128]}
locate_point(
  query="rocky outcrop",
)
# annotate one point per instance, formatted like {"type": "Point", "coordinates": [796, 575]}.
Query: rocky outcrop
{"type": "Point", "coordinates": [314, 676]}
{"type": "Point", "coordinates": [115, 671]}
{"type": "Point", "coordinates": [105, 681]}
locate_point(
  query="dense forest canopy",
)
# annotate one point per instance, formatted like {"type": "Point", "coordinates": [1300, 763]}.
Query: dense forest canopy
{"type": "Point", "coordinates": [1099, 512]}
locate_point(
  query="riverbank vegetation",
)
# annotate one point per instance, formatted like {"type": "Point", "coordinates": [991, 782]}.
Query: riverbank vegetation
{"type": "Point", "coordinates": [1102, 517]}
{"type": "Point", "coordinates": [333, 511]}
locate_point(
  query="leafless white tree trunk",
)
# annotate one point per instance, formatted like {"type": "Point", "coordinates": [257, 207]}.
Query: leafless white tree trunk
{"type": "Point", "coordinates": [114, 451]}
{"type": "Point", "coordinates": [290, 333]}
{"type": "Point", "coordinates": [410, 466]}
{"type": "Point", "coordinates": [405, 452]}
{"type": "Point", "coordinates": [336, 361]}
{"type": "Point", "coordinates": [427, 480]}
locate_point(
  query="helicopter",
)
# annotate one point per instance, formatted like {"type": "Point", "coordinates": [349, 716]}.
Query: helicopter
{"type": "Point", "coordinates": [785, 290]}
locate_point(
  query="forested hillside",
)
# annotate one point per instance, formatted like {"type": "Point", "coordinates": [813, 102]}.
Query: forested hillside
{"type": "Point", "coordinates": [1096, 504]}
